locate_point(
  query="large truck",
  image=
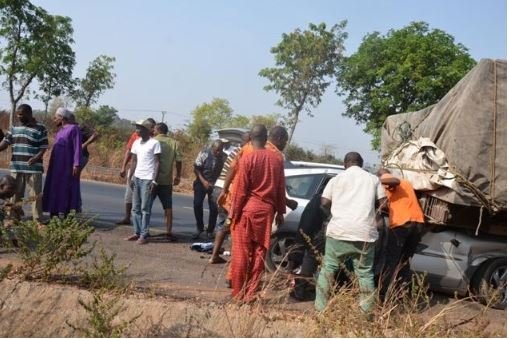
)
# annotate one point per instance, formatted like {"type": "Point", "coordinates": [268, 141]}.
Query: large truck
{"type": "Point", "coordinates": [455, 155]}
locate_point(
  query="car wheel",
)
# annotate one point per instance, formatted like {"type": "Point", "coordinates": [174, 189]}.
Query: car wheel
{"type": "Point", "coordinates": [490, 283]}
{"type": "Point", "coordinates": [282, 247]}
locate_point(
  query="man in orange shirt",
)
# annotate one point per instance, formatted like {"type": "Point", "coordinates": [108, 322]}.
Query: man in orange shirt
{"type": "Point", "coordinates": [259, 196]}
{"type": "Point", "coordinates": [406, 222]}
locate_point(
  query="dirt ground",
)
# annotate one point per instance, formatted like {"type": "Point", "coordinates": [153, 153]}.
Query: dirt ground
{"type": "Point", "coordinates": [178, 293]}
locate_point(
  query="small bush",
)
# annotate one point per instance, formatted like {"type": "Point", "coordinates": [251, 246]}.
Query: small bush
{"type": "Point", "coordinates": [44, 249]}
{"type": "Point", "coordinates": [103, 274]}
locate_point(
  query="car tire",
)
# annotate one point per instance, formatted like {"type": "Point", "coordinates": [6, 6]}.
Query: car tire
{"type": "Point", "coordinates": [281, 245]}
{"type": "Point", "coordinates": [492, 275]}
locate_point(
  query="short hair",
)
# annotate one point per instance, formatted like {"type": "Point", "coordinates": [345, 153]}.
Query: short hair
{"type": "Point", "coordinates": [63, 112]}
{"type": "Point", "coordinates": [354, 158]}
{"type": "Point", "coordinates": [7, 180]}
{"type": "Point", "coordinates": [382, 170]}
{"type": "Point", "coordinates": [24, 108]}
{"type": "Point", "coordinates": [278, 133]}
{"type": "Point", "coordinates": [162, 127]}
{"type": "Point", "coordinates": [152, 121]}
{"type": "Point", "coordinates": [259, 133]}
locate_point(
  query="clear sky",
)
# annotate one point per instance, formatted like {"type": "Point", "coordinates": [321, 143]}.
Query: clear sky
{"type": "Point", "coordinates": [175, 55]}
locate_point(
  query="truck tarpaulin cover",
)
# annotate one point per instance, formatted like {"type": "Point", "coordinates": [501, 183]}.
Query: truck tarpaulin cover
{"type": "Point", "coordinates": [459, 144]}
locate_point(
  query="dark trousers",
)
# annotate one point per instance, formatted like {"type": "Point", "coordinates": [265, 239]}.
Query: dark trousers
{"type": "Point", "coordinates": [401, 244]}
{"type": "Point", "coordinates": [199, 195]}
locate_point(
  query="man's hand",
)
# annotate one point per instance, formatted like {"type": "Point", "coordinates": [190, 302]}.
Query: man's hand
{"type": "Point", "coordinates": [153, 187]}
{"type": "Point", "coordinates": [292, 204]}
{"type": "Point", "coordinates": [176, 181]}
{"type": "Point", "coordinates": [32, 161]}
{"type": "Point", "coordinates": [279, 220]}
{"type": "Point", "coordinates": [76, 171]}
{"type": "Point", "coordinates": [207, 185]}
{"type": "Point", "coordinates": [131, 183]}
{"type": "Point", "coordinates": [122, 173]}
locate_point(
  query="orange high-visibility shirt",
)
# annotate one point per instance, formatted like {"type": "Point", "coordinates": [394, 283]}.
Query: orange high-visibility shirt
{"type": "Point", "coordinates": [403, 205]}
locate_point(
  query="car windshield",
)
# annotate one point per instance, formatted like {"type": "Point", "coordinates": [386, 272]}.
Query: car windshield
{"type": "Point", "coordinates": [303, 186]}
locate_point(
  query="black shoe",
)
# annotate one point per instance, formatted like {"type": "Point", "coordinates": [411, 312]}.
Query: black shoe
{"type": "Point", "coordinates": [196, 236]}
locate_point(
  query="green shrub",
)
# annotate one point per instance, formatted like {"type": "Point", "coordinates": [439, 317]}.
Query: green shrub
{"type": "Point", "coordinates": [44, 249]}
{"type": "Point", "coordinates": [103, 274]}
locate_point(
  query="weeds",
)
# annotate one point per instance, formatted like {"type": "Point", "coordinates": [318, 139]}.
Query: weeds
{"type": "Point", "coordinates": [4, 272]}
{"type": "Point", "coordinates": [103, 274]}
{"type": "Point", "coordinates": [102, 312]}
{"type": "Point", "coordinates": [44, 249]}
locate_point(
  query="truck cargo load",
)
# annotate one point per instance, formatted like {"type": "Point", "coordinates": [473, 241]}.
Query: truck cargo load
{"type": "Point", "coordinates": [456, 150]}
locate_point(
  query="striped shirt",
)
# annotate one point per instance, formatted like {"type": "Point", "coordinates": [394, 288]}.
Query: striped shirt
{"type": "Point", "coordinates": [226, 167]}
{"type": "Point", "coordinates": [26, 142]}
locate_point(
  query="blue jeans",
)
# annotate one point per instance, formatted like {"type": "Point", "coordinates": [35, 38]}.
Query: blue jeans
{"type": "Point", "coordinates": [142, 206]}
{"type": "Point", "coordinates": [199, 195]}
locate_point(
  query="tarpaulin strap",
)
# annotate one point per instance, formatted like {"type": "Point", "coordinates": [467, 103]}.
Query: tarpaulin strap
{"type": "Point", "coordinates": [491, 206]}
{"type": "Point", "coordinates": [494, 145]}
{"type": "Point", "coordinates": [480, 220]}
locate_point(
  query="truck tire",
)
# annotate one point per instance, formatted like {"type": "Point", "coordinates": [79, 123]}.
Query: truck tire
{"type": "Point", "coordinates": [490, 283]}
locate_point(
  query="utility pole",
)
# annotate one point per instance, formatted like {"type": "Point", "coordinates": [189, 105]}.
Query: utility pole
{"type": "Point", "coordinates": [163, 113]}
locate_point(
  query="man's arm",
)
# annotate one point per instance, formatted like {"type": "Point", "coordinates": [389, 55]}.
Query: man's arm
{"type": "Point", "coordinates": [127, 158]}
{"type": "Point", "coordinates": [91, 139]}
{"type": "Point", "coordinates": [36, 157]}
{"type": "Point", "coordinates": [134, 162]}
{"type": "Point", "coordinates": [3, 145]}
{"type": "Point", "coordinates": [199, 175]}
{"type": "Point", "coordinates": [178, 165]}
{"type": "Point", "coordinates": [157, 160]}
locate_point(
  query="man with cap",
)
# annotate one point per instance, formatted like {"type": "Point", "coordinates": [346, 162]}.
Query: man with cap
{"type": "Point", "coordinates": [406, 221]}
{"type": "Point", "coordinates": [128, 196]}
{"type": "Point", "coordinates": [62, 186]}
{"type": "Point", "coordinates": [146, 153]}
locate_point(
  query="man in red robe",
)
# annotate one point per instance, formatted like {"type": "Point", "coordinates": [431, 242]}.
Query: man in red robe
{"type": "Point", "coordinates": [260, 194]}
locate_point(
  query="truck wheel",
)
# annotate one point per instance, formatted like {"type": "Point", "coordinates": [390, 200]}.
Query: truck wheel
{"type": "Point", "coordinates": [282, 245]}
{"type": "Point", "coordinates": [490, 283]}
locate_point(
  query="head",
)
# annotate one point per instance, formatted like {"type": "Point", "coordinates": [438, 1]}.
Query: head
{"type": "Point", "coordinates": [278, 136]}
{"type": "Point", "coordinates": [217, 147]}
{"type": "Point", "coordinates": [7, 187]}
{"type": "Point", "coordinates": [353, 159]}
{"type": "Point", "coordinates": [259, 135]}
{"type": "Point", "coordinates": [161, 128]}
{"type": "Point", "coordinates": [152, 125]}
{"type": "Point", "coordinates": [24, 114]}
{"type": "Point", "coordinates": [381, 171]}
{"type": "Point", "coordinates": [246, 137]}
{"type": "Point", "coordinates": [62, 116]}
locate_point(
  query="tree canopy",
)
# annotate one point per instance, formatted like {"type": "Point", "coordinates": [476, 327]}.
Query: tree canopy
{"type": "Point", "coordinates": [209, 116]}
{"type": "Point", "coordinates": [306, 61]}
{"type": "Point", "coordinates": [36, 45]}
{"type": "Point", "coordinates": [98, 79]}
{"type": "Point", "coordinates": [405, 70]}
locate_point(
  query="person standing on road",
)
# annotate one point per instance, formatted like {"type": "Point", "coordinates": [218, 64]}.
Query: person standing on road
{"type": "Point", "coordinates": [88, 136]}
{"type": "Point", "coordinates": [259, 196]}
{"type": "Point", "coordinates": [124, 173]}
{"type": "Point", "coordinates": [146, 152]}
{"type": "Point", "coordinates": [222, 185]}
{"type": "Point", "coordinates": [170, 154]}
{"type": "Point", "coordinates": [406, 222]}
{"type": "Point", "coordinates": [29, 142]}
{"type": "Point", "coordinates": [207, 167]}
{"type": "Point", "coordinates": [351, 232]}
{"type": "Point", "coordinates": [62, 186]}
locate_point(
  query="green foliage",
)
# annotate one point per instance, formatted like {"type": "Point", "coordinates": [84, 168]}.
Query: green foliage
{"type": "Point", "coordinates": [4, 271]}
{"type": "Point", "coordinates": [101, 313]}
{"type": "Point", "coordinates": [35, 45]}
{"type": "Point", "coordinates": [44, 249]}
{"type": "Point", "coordinates": [294, 152]}
{"type": "Point", "coordinates": [103, 273]}
{"type": "Point", "coordinates": [208, 116]}
{"type": "Point", "coordinates": [269, 120]}
{"type": "Point", "coordinates": [306, 62]}
{"type": "Point", "coordinates": [405, 70]}
{"type": "Point", "coordinates": [98, 79]}
{"type": "Point", "coordinates": [239, 121]}
{"type": "Point", "coordinates": [101, 117]}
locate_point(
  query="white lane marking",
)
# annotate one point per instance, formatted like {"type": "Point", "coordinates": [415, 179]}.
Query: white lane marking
{"type": "Point", "coordinates": [191, 208]}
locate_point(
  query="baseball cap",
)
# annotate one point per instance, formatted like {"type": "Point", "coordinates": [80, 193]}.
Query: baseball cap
{"type": "Point", "coordinates": [145, 123]}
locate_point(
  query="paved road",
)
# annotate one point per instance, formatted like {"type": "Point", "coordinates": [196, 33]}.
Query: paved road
{"type": "Point", "coordinates": [105, 203]}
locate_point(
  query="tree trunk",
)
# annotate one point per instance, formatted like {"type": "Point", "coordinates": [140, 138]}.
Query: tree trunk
{"type": "Point", "coordinates": [13, 110]}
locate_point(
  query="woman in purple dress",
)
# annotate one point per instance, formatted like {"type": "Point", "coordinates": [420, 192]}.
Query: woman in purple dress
{"type": "Point", "coordinates": [62, 186]}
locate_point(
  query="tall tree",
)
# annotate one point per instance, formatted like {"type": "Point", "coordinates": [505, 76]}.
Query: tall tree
{"type": "Point", "coordinates": [208, 116]}
{"type": "Point", "coordinates": [35, 45]}
{"type": "Point", "coordinates": [306, 62]}
{"type": "Point", "coordinates": [405, 70]}
{"type": "Point", "coordinates": [98, 79]}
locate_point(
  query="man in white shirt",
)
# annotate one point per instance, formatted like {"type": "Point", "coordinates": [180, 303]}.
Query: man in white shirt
{"type": "Point", "coordinates": [146, 153]}
{"type": "Point", "coordinates": [351, 232]}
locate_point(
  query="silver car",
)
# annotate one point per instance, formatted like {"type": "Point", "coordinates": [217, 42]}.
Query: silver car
{"type": "Point", "coordinates": [453, 260]}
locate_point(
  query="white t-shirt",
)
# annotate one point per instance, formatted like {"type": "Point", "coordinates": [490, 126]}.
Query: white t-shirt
{"type": "Point", "coordinates": [353, 194]}
{"type": "Point", "coordinates": [145, 157]}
